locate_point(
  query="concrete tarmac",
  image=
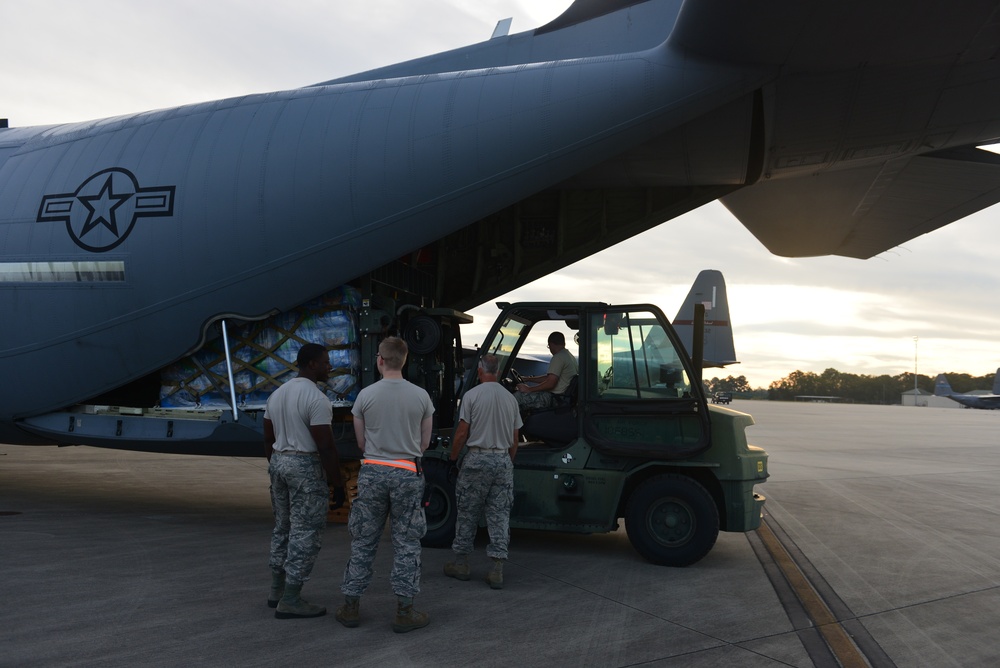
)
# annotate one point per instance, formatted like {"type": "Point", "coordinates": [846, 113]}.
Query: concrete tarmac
{"type": "Point", "coordinates": [114, 558]}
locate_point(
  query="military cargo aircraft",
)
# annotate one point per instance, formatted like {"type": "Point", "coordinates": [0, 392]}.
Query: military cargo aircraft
{"type": "Point", "coordinates": [942, 388]}
{"type": "Point", "coordinates": [827, 128]}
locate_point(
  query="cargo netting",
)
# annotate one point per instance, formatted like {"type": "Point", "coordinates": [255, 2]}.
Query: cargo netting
{"type": "Point", "coordinates": [263, 355]}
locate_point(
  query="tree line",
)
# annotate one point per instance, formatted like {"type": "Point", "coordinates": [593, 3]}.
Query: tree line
{"type": "Point", "coordinates": [847, 387]}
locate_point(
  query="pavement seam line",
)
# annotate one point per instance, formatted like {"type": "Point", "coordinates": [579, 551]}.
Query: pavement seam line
{"type": "Point", "coordinates": [839, 641]}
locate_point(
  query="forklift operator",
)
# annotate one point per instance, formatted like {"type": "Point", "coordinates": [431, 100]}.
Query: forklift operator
{"type": "Point", "coordinates": [550, 387]}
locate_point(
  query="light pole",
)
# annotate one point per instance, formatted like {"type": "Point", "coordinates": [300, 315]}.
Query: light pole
{"type": "Point", "coordinates": [915, 391]}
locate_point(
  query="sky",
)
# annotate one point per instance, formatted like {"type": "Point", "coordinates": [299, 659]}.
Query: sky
{"type": "Point", "coordinates": [932, 304]}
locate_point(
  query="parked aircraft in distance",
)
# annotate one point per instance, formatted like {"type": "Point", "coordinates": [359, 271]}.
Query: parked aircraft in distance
{"type": "Point", "coordinates": [840, 128]}
{"type": "Point", "coordinates": [942, 388]}
{"type": "Point", "coordinates": [709, 289]}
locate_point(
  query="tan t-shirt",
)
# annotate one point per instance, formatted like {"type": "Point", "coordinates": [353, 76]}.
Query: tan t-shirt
{"type": "Point", "coordinates": [292, 408]}
{"type": "Point", "coordinates": [563, 364]}
{"type": "Point", "coordinates": [492, 415]}
{"type": "Point", "coordinates": [392, 410]}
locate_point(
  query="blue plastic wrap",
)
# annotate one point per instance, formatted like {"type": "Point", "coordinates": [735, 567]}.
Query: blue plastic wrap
{"type": "Point", "coordinates": [263, 355]}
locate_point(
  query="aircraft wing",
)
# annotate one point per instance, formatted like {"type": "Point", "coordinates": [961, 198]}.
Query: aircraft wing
{"type": "Point", "coordinates": [862, 212]}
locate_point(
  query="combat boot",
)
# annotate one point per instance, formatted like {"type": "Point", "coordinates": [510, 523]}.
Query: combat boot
{"type": "Point", "coordinates": [495, 577]}
{"type": "Point", "coordinates": [292, 605]}
{"type": "Point", "coordinates": [408, 619]}
{"type": "Point", "coordinates": [349, 614]}
{"type": "Point", "coordinates": [458, 569]}
{"type": "Point", "coordinates": [277, 588]}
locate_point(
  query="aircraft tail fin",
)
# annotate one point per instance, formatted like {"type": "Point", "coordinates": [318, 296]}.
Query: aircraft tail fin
{"type": "Point", "coordinates": [996, 383]}
{"type": "Point", "coordinates": [710, 289]}
{"type": "Point", "coordinates": [942, 388]}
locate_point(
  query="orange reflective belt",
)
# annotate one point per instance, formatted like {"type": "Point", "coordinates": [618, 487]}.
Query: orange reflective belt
{"type": "Point", "coordinates": [397, 463]}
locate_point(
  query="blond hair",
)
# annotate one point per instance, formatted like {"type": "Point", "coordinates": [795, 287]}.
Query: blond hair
{"type": "Point", "coordinates": [393, 352]}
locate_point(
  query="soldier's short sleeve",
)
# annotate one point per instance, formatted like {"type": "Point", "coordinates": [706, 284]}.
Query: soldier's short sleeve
{"type": "Point", "coordinates": [320, 410]}
{"type": "Point", "coordinates": [557, 365]}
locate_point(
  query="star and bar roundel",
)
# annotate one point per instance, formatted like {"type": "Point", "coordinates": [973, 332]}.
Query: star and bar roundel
{"type": "Point", "coordinates": [101, 213]}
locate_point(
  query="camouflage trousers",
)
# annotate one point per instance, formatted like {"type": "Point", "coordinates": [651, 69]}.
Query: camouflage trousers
{"type": "Point", "coordinates": [300, 499]}
{"type": "Point", "coordinates": [386, 492]}
{"type": "Point", "coordinates": [534, 400]}
{"type": "Point", "coordinates": [485, 485]}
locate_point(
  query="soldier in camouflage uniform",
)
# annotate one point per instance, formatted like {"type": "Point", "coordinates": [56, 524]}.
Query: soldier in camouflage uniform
{"type": "Point", "coordinates": [298, 443]}
{"type": "Point", "coordinates": [392, 424]}
{"type": "Point", "coordinates": [489, 423]}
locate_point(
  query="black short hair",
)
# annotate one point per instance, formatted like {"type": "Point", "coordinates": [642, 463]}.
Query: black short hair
{"type": "Point", "coordinates": [308, 353]}
{"type": "Point", "coordinates": [557, 337]}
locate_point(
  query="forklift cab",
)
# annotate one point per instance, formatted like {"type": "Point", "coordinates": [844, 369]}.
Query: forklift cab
{"type": "Point", "coordinates": [634, 394]}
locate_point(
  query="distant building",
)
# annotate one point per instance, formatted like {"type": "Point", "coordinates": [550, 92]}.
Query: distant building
{"type": "Point", "coordinates": [926, 399]}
